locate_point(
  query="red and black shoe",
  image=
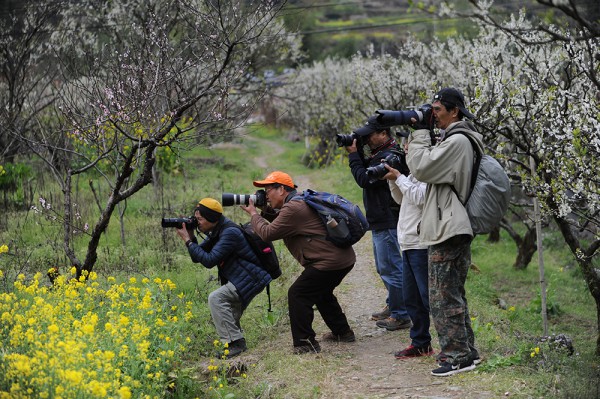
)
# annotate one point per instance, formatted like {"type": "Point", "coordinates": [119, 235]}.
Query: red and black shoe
{"type": "Point", "coordinates": [414, 351]}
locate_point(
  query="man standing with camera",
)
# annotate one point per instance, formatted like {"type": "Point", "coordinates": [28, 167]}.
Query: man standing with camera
{"type": "Point", "coordinates": [447, 169]}
{"type": "Point", "coordinates": [289, 218]}
{"type": "Point", "coordinates": [382, 215]}
{"type": "Point", "coordinates": [238, 267]}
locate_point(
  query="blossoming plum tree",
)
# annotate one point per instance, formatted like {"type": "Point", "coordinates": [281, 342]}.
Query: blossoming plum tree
{"type": "Point", "coordinates": [534, 97]}
{"type": "Point", "coordinates": [140, 76]}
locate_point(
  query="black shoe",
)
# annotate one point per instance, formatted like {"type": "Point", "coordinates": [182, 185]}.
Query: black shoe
{"type": "Point", "coordinates": [345, 337]}
{"type": "Point", "coordinates": [447, 369]}
{"type": "Point", "coordinates": [234, 348]}
{"type": "Point", "coordinates": [312, 346]}
{"type": "Point", "coordinates": [441, 358]}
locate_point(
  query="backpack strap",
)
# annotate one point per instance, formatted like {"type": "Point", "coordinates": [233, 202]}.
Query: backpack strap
{"type": "Point", "coordinates": [300, 197]}
{"type": "Point", "coordinates": [476, 163]}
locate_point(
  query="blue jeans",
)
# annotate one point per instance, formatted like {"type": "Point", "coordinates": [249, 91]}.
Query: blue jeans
{"type": "Point", "coordinates": [416, 294]}
{"type": "Point", "coordinates": [388, 262]}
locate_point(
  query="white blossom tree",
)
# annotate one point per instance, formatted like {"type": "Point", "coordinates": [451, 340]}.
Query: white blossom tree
{"type": "Point", "coordinates": [139, 76]}
{"type": "Point", "coordinates": [534, 97]}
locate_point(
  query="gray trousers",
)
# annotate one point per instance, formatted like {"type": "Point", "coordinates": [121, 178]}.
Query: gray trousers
{"type": "Point", "coordinates": [226, 310]}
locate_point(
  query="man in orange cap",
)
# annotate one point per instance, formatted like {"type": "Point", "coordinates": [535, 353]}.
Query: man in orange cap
{"type": "Point", "coordinates": [239, 269]}
{"type": "Point", "coordinates": [325, 265]}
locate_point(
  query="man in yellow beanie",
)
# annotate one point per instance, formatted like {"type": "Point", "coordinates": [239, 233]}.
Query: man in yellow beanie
{"type": "Point", "coordinates": [240, 274]}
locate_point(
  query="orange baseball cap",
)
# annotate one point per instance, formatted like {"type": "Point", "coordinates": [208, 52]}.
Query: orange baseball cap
{"type": "Point", "coordinates": [276, 177]}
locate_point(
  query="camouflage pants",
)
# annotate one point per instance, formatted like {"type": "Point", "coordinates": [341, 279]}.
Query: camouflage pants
{"type": "Point", "coordinates": [449, 263]}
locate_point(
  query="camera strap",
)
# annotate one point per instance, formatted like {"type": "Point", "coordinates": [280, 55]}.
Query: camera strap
{"type": "Point", "coordinates": [391, 143]}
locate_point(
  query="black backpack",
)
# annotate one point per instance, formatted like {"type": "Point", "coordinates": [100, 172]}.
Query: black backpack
{"type": "Point", "coordinates": [264, 250]}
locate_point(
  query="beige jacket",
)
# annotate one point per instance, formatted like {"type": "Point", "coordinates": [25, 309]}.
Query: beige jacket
{"type": "Point", "coordinates": [444, 166]}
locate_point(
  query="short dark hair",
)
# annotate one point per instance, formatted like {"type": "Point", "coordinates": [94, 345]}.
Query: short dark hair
{"type": "Point", "coordinates": [450, 107]}
{"type": "Point", "coordinates": [286, 188]}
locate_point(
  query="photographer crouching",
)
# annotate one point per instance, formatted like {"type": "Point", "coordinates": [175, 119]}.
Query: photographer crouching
{"type": "Point", "coordinates": [238, 267]}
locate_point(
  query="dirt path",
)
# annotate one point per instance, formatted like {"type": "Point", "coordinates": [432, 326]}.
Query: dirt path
{"type": "Point", "coordinates": [371, 370]}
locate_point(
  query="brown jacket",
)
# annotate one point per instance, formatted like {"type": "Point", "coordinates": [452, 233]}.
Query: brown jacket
{"type": "Point", "coordinates": [300, 228]}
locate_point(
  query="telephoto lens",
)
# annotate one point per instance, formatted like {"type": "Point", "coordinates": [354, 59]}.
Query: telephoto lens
{"type": "Point", "coordinates": [259, 198]}
{"type": "Point", "coordinates": [190, 223]}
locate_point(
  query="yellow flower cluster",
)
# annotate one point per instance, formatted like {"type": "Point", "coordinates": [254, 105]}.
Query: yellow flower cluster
{"type": "Point", "coordinates": [87, 339]}
{"type": "Point", "coordinates": [3, 248]}
{"type": "Point", "coordinates": [534, 352]}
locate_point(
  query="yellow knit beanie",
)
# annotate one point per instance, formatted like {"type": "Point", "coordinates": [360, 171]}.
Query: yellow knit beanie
{"type": "Point", "coordinates": [210, 209]}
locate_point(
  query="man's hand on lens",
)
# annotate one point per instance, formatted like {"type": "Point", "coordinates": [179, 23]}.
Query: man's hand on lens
{"type": "Point", "coordinates": [250, 209]}
{"type": "Point", "coordinates": [392, 173]}
{"type": "Point", "coordinates": [183, 232]}
{"type": "Point", "coordinates": [426, 123]}
{"type": "Point", "coordinates": [352, 148]}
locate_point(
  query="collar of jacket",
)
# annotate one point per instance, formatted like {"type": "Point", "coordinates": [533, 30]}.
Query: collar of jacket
{"type": "Point", "coordinates": [289, 197]}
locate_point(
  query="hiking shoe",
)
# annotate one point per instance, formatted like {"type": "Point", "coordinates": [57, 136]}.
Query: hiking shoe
{"type": "Point", "coordinates": [234, 348]}
{"type": "Point", "coordinates": [384, 314]}
{"type": "Point", "coordinates": [447, 369]}
{"type": "Point", "coordinates": [310, 347]}
{"type": "Point", "coordinates": [392, 324]}
{"type": "Point", "coordinates": [441, 358]}
{"type": "Point", "coordinates": [414, 351]}
{"type": "Point", "coordinates": [345, 337]}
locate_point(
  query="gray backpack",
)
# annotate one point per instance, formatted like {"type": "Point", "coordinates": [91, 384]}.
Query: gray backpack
{"type": "Point", "coordinates": [490, 192]}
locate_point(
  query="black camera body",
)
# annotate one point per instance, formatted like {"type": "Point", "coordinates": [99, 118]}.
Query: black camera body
{"type": "Point", "coordinates": [259, 198]}
{"type": "Point", "coordinates": [190, 223]}
{"type": "Point", "coordinates": [396, 160]}
{"type": "Point", "coordinates": [345, 140]}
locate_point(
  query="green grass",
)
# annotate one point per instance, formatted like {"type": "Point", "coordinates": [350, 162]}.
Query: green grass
{"type": "Point", "coordinates": [506, 337]}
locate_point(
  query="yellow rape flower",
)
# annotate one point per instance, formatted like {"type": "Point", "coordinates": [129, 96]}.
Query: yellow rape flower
{"type": "Point", "coordinates": [74, 376]}
{"type": "Point", "coordinates": [123, 320]}
{"type": "Point", "coordinates": [88, 328]}
{"type": "Point", "coordinates": [3, 248]}
{"type": "Point", "coordinates": [125, 393]}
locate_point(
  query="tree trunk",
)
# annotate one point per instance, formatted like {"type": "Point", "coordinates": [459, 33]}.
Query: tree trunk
{"type": "Point", "coordinates": [494, 235]}
{"type": "Point", "coordinates": [526, 248]}
{"type": "Point", "coordinates": [584, 259]}
{"type": "Point", "coordinates": [122, 209]}
{"type": "Point", "coordinates": [67, 191]}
